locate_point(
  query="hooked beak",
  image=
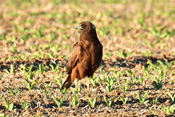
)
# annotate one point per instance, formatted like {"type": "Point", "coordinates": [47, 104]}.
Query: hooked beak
{"type": "Point", "coordinates": [78, 27]}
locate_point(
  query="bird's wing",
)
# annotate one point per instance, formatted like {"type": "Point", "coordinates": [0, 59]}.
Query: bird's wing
{"type": "Point", "coordinates": [73, 58]}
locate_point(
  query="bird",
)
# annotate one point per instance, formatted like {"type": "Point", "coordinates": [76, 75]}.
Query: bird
{"type": "Point", "coordinates": [86, 55]}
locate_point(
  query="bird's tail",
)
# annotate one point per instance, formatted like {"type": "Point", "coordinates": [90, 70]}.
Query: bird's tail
{"type": "Point", "coordinates": [67, 83]}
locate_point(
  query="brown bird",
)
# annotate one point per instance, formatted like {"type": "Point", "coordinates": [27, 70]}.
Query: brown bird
{"type": "Point", "coordinates": [86, 55]}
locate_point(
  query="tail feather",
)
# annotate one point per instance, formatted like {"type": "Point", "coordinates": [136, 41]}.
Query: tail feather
{"type": "Point", "coordinates": [67, 83]}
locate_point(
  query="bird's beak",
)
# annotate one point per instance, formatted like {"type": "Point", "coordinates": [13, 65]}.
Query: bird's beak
{"type": "Point", "coordinates": [78, 27]}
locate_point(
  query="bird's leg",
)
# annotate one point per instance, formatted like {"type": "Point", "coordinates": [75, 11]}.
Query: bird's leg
{"type": "Point", "coordinates": [76, 83]}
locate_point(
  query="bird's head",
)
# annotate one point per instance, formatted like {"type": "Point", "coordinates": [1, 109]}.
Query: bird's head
{"type": "Point", "coordinates": [86, 27]}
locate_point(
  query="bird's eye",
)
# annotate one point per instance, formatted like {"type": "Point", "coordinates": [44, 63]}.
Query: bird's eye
{"type": "Point", "coordinates": [83, 26]}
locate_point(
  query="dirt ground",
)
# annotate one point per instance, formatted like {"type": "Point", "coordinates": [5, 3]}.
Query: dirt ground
{"type": "Point", "coordinates": [138, 39]}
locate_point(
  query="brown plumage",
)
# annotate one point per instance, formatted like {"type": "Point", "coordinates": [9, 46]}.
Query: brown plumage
{"type": "Point", "coordinates": [86, 55]}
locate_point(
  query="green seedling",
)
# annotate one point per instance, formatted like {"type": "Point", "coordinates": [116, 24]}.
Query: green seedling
{"type": "Point", "coordinates": [3, 115]}
{"type": "Point", "coordinates": [61, 75]}
{"type": "Point", "coordinates": [7, 105]}
{"type": "Point", "coordinates": [1, 77]}
{"type": "Point", "coordinates": [109, 88]}
{"type": "Point", "coordinates": [2, 36]}
{"type": "Point", "coordinates": [56, 48]}
{"type": "Point", "coordinates": [24, 105]}
{"type": "Point", "coordinates": [25, 37]}
{"type": "Point", "coordinates": [58, 82]}
{"type": "Point", "coordinates": [75, 101]}
{"type": "Point", "coordinates": [132, 73]}
{"type": "Point", "coordinates": [30, 85]}
{"type": "Point", "coordinates": [168, 110]}
{"type": "Point", "coordinates": [67, 46]}
{"type": "Point", "coordinates": [28, 72]}
{"type": "Point", "coordinates": [29, 75]}
{"type": "Point", "coordinates": [63, 91]}
{"type": "Point", "coordinates": [53, 35]}
{"type": "Point", "coordinates": [94, 81]}
{"type": "Point", "coordinates": [21, 56]}
{"type": "Point", "coordinates": [125, 88]}
{"type": "Point", "coordinates": [45, 91]}
{"type": "Point", "coordinates": [42, 69]}
{"type": "Point", "coordinates": [172, 97]}
{"type": "Point", "coordinates": [123, 53]}
{"type": "Point", "coordinates": [92, 102]}
{"type": "Point", "coordinates": [124, 100]}
{"type": "Point", "coordinates": [108, 54]}
{"type": "Point", "coordinates": [51, 54]}
{"type": "Point", "coordinates": [55, 69]}
{"type": "Point", "coordinates": [12, 69]}
{"type": "Point", "coordinates": [58, 102]}
{"type": "Point", "coordinates": [155, 101]}
{"type": "Point", "coordinates": [157, 83]}
{"type": "Point", "coordinates": [152, 110]}
{"type": "Point", "coordinates": [121, 30]}
{"type": "Point", "coordinates": [76, 91]}
{"type": "Point", "coordinates": [14, 50]}
{"type": "Point", "coordinates": [117, 75]}
{"type": "Point", "coordinates": [40, 55]}
{"type": "Point", "coordinates": [143, 100]}
{"type": "Point", "coordinates": [14, 92]}
{"type": "Point", "coordinates": [142, 80]}
{"type": "Point", "coordinates": [40, 32]}
{"type": "Point", "coordinates": [109, 103]}
{"type": "Point", "coordinates": [110, 83]}
{"type": "Point", "coordinates": [165, 67]}
{"type": "Point", "coordinates": [127, 85]}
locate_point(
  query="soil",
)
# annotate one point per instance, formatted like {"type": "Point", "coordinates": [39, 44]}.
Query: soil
{"type": "Point", "coordinates": [20, 20]}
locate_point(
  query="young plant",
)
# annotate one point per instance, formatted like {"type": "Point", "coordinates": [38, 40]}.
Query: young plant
{"type": "Point", "coordinates": [127, 85]}
{"type": "Point", "coordinates": [94, 82]}
{"type": "Point", "coordinates": [30, 85]}
{"type": "Point", "coordinates": [7, 105]}
{"type": "Point", "coordinates": [143, 100]}
{"type": "Point", "coordinates": [75, 101]}
{"type": "Point", "coordinates": [77, 90]}
{"type": "Point", "coordinates": [12, 69]}
{"type": "Point", "coordinates": [157, 83]}
{"type": "Point", "coordinates": [124, 100]}
{"type": "Point", "coordinates": [172, 97]}
{"type": "Point", "coordinates": [110, 84]}
{"type": "Point", "coordinates": [155, 101]}
{"type": "Point", "coordinates": [168, 110]}
{"type": "Point", "coordinates": [55, 69]}
{"type": "Point", "coordinates": [28, 73]}
{"type": "Point", "coordinates": [123, 54]}
{"type": "Point", "coordinates": [58, 102]}
{"type": "Point", "coordinates": [40, 32]}
{"type": "Point", "coordinates": [108, 102]}
{"type": "Point", "coordinates": [15, 92]}
{"type": "Point", "coordinates": [45, 91]}
{"type": "Point", "coordinates": [132, 73]}
{"type": "Point", "coordinates": [142, 80]}
{"type": "Point", "coordinates": [42, 69]}
{"type": "Point", "coordinates": [24, 105]}
{"type": "Point", "coordinates": [63, 91]}
{"type": "Point", "coordinates": [92, 102]}
{"type": "Point", "coordinates": [58, 82]}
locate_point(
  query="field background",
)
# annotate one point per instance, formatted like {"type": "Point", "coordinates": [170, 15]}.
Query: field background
{"type": "Point", "coordinates": [137, 73]}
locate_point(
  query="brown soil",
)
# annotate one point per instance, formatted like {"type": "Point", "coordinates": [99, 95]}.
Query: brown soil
{"type": "Point", "coordinates": [18, 18]}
